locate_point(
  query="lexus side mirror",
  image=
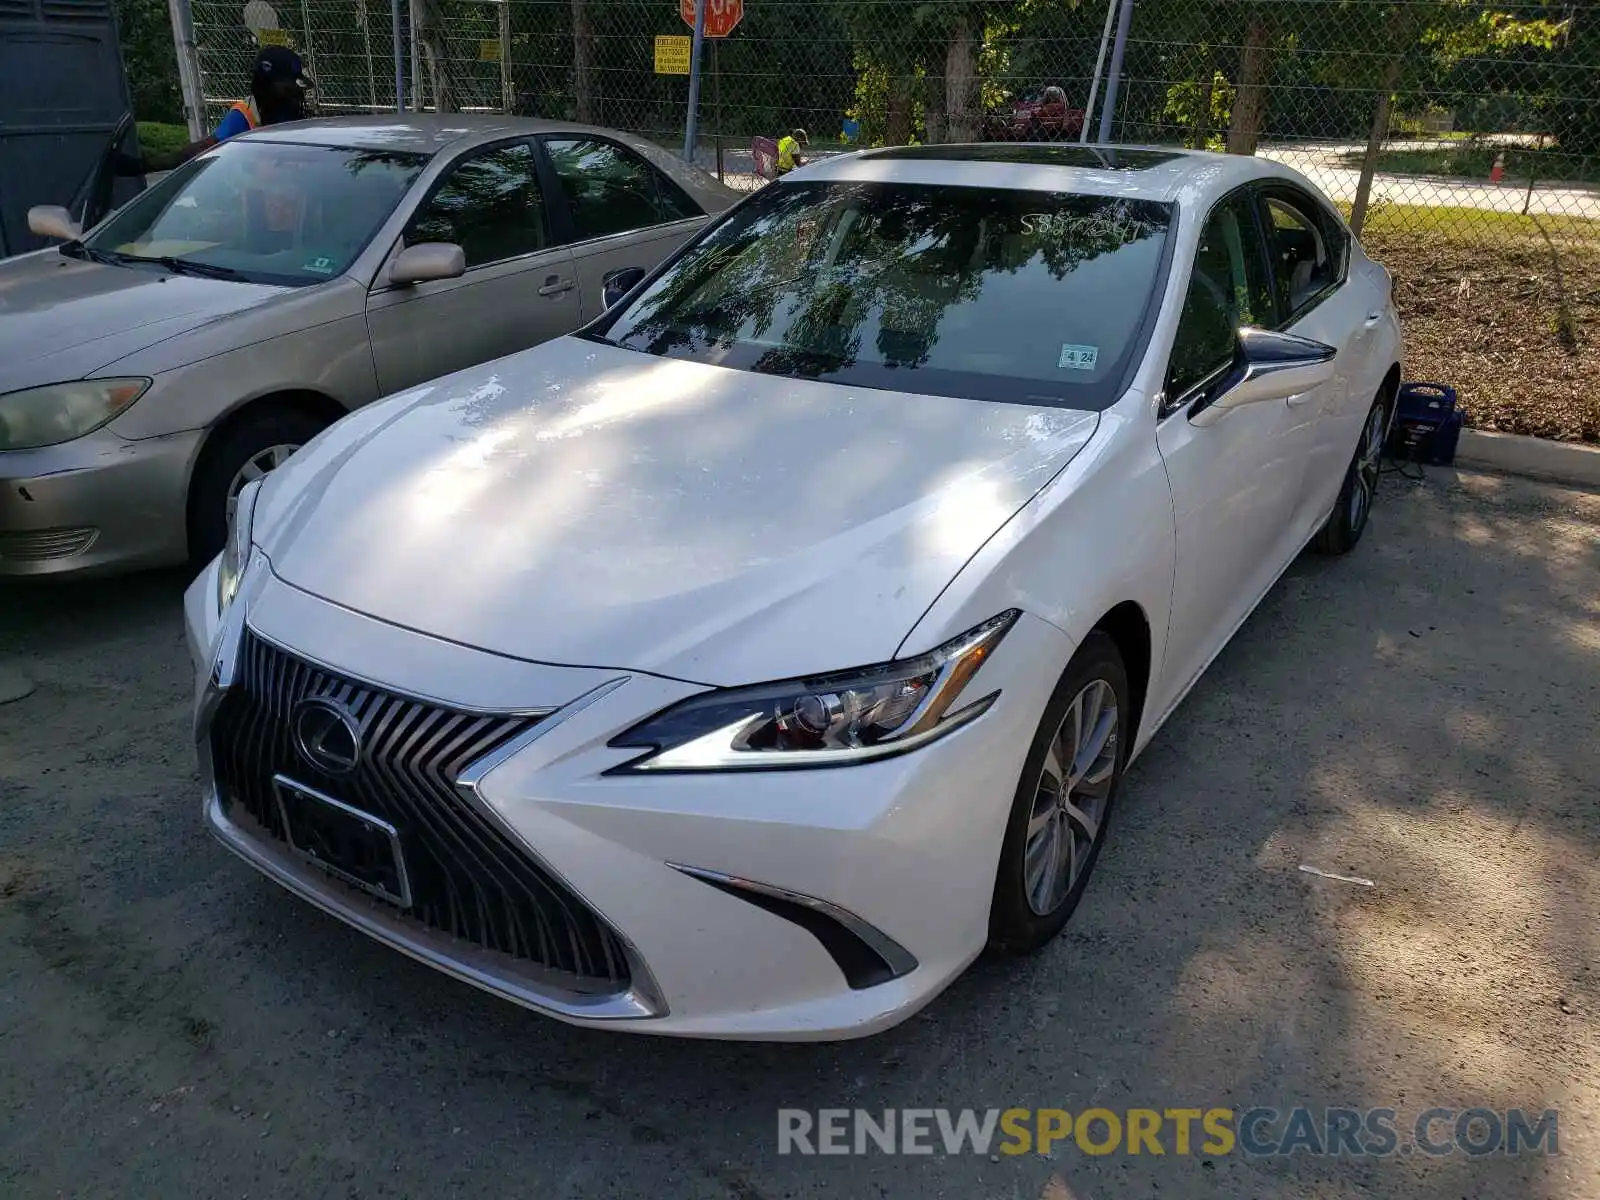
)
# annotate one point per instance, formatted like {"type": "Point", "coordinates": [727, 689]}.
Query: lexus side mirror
{"type": "Point", "coordinates": [52, 221]}
{"type": "Point", "coordinates": [618, 284]}
{"type": "Point", "coordinates": [1268, 366]}
{"type": "Point", "coordinates": [428, 261]}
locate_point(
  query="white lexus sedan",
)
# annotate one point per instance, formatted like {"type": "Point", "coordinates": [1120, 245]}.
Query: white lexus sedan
{"type": "Point", "coordinates": [748, 663]}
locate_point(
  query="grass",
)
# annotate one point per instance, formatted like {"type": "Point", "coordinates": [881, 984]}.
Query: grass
{"type": "Point", "coordinates": [157, 137]}
{"type": "Point", "coordinates": [1473, 225]}
{"type": "Point", "coordinates": [1472, 159]}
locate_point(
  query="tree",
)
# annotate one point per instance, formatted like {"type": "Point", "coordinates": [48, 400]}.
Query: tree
{"type": "Point", "coordinates": [150, 60]}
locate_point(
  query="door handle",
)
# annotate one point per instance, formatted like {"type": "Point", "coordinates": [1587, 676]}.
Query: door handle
{"type": "Point", "coordinates": [555, 285]}
{"type": "Point", "coordinates": [1374, 317]}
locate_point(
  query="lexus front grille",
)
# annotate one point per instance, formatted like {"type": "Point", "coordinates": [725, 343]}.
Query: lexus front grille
{"type": "Point", "coordinates": [468, 878]}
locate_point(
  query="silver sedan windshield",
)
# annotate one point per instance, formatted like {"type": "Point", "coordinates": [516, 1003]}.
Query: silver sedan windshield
{"type": "Point", "coordinates": [263, 211]}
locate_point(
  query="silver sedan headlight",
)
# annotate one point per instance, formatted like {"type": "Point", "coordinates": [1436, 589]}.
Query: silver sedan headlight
{"type": "Point", "coordinates": [236, 550]}
{"type": "Point", "coordinates": [832, 720]}
{"type": "Point", "coordinates": [47, 416]}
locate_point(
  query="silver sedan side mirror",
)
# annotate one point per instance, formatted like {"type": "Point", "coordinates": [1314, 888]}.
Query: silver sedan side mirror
{"type": "Point", "coordinates": [1268, 366]}
{"type": "Point", "coordinates": [52, 221]}
{"type": "Point", "coordinates": [428, 261]}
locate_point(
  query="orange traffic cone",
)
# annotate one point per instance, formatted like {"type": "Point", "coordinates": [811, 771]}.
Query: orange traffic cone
{"type": "Point", "coordinates": [1498, 171]}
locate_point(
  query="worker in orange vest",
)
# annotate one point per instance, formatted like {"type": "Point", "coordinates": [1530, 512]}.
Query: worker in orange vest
{"type": "Point", "coordinates": [278, 86]}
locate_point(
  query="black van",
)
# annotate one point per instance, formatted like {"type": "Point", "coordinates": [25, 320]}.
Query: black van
{"type": "Point", "coordinates": [64, 106]}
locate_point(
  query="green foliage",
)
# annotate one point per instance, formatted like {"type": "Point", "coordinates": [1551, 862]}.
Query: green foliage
{"type": "Point", "coordinates": [1184, 101]}
{"type": "Point", "coordinates": [150, 61]}
{"type": "Point", "coordinates": [157, 137]}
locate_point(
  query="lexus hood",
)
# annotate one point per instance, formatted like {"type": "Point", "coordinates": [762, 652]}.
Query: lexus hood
{"type": "Point", "coordinates": [591, 506]}
{"type": "Point", "coordinates": [63, 319]}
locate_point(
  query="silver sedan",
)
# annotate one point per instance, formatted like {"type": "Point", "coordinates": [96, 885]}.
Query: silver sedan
{"type": "Point", "coordinates": [152, 367]}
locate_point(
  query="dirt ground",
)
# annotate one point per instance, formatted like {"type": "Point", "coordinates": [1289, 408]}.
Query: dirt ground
{"type": "Point", "coordinates": [1491, 314]}
{"type": "Point", "coordinates": [1420, 714]}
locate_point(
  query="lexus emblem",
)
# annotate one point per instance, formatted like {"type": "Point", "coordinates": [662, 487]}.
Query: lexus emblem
{"type": "Point", "coordinates": [327, 736]}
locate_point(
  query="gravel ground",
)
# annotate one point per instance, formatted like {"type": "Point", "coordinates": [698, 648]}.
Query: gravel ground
{"type": "Point", "coordinates": [1420, 714]}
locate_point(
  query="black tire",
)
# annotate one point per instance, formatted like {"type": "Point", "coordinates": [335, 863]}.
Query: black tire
{"type": "Point", "coordinates": [225, 455]}
{"type": "Point", "coordinates": [1345, 524]}
{"type": "Point", "coordinates": [1015, 927]}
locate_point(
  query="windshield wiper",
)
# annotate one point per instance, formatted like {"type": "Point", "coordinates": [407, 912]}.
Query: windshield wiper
{"type": "Point", "coordinates": [184, 266]}
{"type": "Point", "coordinates": [78, 250]}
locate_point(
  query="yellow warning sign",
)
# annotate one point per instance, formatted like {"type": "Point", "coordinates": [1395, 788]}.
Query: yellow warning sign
{"type": "Point", "coordinates": [273, 37]}
{"type": "Point", "coordinates": [672, 54]}
{"type": "Point", "coordinates": [489, 50]}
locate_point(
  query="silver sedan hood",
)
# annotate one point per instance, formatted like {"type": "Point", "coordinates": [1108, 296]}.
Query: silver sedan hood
{"type": "Point", "coordinates": [61, 318]}
{"type": "Point", "coordinates": [584, 505]}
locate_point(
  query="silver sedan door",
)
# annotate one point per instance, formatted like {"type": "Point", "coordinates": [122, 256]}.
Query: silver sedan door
{"type": "Point", "coordinates": [519, 288]}
{"type": "Point", "coordinates": [621, 211]}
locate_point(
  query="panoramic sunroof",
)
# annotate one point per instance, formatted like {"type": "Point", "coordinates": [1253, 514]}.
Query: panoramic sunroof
{"type": "Point", "coordinates": [1034, 154]}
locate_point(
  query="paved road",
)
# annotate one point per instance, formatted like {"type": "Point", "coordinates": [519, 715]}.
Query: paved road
{"type": "Point", "coordinates": [1420, 714]}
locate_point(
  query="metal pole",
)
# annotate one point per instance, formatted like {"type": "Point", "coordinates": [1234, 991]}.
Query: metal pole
{"type": "Point", "coordinates": [416, 56]}
{"type": "Point", "coordinates": [716, 90]}
{"type": "Point", "coordinates": [696, 50]}
{"type": "Point", "coordinates": [183, 43]}
{"type": "Point", "coordinates": [1108, 110]}
{"type": "Point", "coordinates": [1099, 62]}
{"type": "Point", "coordinates": [366, 46]}
{"type": "Point", "coordinates": [399, 57]}
{"type": "Point", "coordinates": [311, 50]}
{"type": "Point", "coordinates": [507, 100]}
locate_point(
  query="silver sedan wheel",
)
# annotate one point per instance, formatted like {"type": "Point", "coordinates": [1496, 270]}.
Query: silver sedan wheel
{"type": "Point", "coordinates": [1368, 459]}
{"type": "Point", "coordinates": [1071, 798]}
{"type": "Point", "coordinates": [257, 466]}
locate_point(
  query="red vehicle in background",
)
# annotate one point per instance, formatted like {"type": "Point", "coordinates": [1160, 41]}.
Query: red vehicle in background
{"type": "Point", "coordinates": [1044, 117]}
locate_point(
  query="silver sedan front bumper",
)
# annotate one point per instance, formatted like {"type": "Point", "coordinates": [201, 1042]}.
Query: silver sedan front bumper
{"type": "Point", "coordinates": [97, 503]}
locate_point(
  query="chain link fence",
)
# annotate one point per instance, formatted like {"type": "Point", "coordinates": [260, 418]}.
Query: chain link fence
{"type": "Point", "coordinates": [1464, 139]}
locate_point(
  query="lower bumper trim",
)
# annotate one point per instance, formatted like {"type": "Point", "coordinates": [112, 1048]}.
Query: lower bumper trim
{"type": "Point", "coordinates": [865, 954]}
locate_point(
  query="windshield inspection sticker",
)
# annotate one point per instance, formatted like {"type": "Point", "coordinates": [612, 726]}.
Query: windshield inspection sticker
{"type": "Point", "coordinates": [322, 266]}
{"type": "Point", "coordinates": [1078, 358]}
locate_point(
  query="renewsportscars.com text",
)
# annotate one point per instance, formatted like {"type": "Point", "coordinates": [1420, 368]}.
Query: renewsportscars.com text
{"type": "Point", "coordinates": [1208, 1132]}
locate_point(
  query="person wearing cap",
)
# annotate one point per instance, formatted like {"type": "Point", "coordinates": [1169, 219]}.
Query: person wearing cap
{"type": "Point", "coordinates": [789, 147]}
{"type": "Point", "coordinates": [278, 86]}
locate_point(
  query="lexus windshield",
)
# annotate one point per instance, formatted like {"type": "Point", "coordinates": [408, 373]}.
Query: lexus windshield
{"type": "Point", "coordinates": [1035, 297]}
{"type": "Point", "coordinates": [262, 211]}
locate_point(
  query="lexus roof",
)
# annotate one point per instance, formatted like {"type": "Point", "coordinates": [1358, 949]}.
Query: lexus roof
{"type": "Point", "coordinates": [1150, 172]}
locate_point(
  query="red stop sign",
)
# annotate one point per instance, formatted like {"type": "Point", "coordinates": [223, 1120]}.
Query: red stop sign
{"type": "Point", "coordinates": [721, 15]}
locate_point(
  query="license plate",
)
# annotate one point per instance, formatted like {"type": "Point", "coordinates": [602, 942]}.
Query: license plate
{"type": "Point", "coordinates": [344, 841]}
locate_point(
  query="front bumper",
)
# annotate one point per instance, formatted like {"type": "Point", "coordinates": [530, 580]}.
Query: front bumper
{"type": "Point", "coordinates": [706, 878]}
{"type": "Point", "coordinates": [97, 503]}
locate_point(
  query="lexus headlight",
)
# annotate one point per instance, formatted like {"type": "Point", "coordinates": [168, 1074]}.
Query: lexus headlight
{"type": "Point", "coordinates": [47, 416]}
{"type": "Point", "coordinates": [236, 550]}
{"type": "Point", "coordinates": [850, 717]}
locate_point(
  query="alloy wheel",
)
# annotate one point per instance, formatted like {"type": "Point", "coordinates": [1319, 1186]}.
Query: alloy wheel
{"type": "Point", "coordinates": [1071, 798]}
{"type": "Point", "coordinates": [1368, 458]}
{"type": "Point", "coordinates": [258, 466]}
